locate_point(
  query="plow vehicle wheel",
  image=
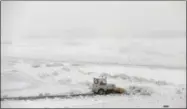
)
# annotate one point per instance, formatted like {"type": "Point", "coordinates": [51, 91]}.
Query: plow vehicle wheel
{"type": "Point", "coordinates": [101, 92]}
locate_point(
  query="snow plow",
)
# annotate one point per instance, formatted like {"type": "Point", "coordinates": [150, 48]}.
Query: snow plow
{"type": "Point", "coordinates": [100, 86]}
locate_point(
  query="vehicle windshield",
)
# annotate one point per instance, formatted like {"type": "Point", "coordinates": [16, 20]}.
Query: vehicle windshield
{"type": "Point", "coordinates": [103, 82]}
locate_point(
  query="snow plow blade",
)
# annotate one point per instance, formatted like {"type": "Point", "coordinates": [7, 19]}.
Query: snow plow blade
{"type": "Point", "coordinates": [119, 90]}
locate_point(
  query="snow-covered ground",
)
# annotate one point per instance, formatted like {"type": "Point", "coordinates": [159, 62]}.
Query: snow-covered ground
{"type": "Point", "coordinates": [101, 102]}
{"type": "Point", "coordinates": [24, 77]}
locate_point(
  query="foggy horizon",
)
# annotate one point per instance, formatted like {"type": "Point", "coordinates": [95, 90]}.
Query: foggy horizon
{"type": "Point", "coordinates": [141, 32]}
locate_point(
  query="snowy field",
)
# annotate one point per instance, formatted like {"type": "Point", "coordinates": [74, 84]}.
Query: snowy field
{"type": "Point", "coordinates": [156, 86]}
{"type": "Point", "coordinates": [152, 74]}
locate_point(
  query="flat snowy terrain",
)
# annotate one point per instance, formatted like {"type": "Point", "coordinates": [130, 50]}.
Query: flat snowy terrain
{"type": "Point", "coordinates": [147, 86]}
{"type": "Point", "coordinates": [153, 74]}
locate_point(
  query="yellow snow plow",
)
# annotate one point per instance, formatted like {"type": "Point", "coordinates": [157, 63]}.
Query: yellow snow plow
{"type": "Point", "coordinates": [100, 86]}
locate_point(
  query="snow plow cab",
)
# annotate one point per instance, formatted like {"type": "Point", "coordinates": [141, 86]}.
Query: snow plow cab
{"type": "Point", "coordinates": [101, 87]}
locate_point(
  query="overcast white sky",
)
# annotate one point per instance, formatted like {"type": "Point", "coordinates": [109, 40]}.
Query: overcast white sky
{"type": "Point", "coordinates": [59, 19]}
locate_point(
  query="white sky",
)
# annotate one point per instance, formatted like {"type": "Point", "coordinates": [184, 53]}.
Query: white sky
{"type": "Point", "coordinates": [89, 19]}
